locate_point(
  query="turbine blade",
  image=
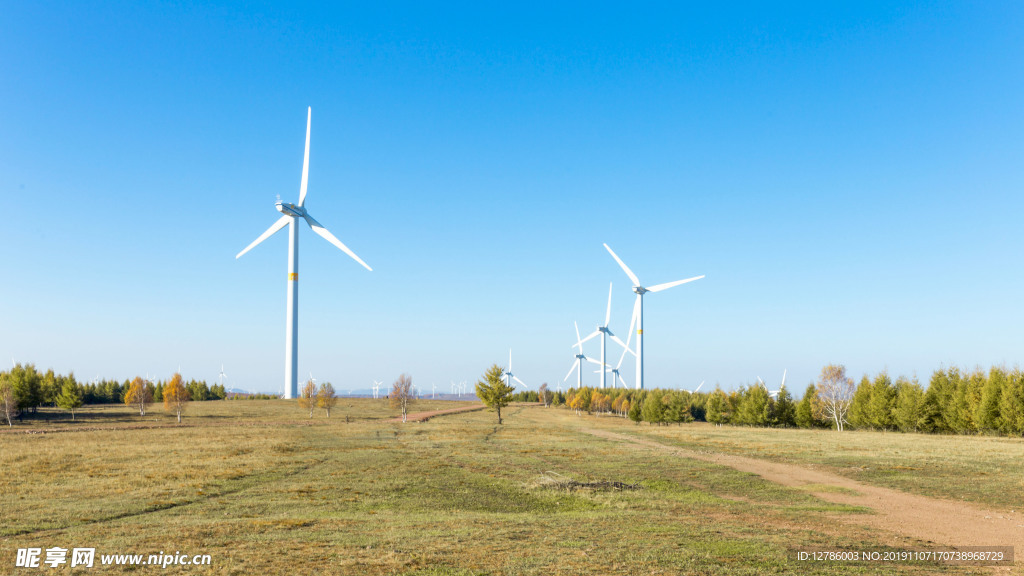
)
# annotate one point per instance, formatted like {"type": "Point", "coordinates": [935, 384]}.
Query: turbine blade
{"type": "Point", "coordinates": [574, 365]}
{"type": "Point", "coordinates": [668, 285]}
{"type": "Point", "coordinates": [608, 312]}
{"type": "Point", "coordinates": [621, 358]}
{"type": "Point", "coordinates": [592, 361]}
{"type": "Point", "coordinates": [305, 160]}
{"type": "Point", "coordinates": [326, 235]}
{"type": "Point", "coordinates": [698, 387]}
{"type": "Point", "coordinates": [623, 381]}
{"type": "Point", "coordinates": [591, 335]}
{"type": "Point", "coordinates": [636, 281]}
{"type": "Point", "coordinates": [618, 341]}
{"type": "Point", "coordinates": [783, 380]}
{"type": "Point", "coordinates": [516, 378]}
{"type": "Point", "coordinates": [281, 223]}
{"type": "Point", "coordinates": [632, 322]}
{"type": "Point", "coordinates": [578, 341]}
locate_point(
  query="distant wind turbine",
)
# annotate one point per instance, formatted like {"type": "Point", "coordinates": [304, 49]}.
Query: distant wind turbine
{"type": "Point", "coordinates": [509, 376]}
{"type": "Point", "coordinates": [291, 214]}
{"type": "Point", "coordinates": [605, 332]}
{"type": "Point", "coordinates": [580, 357]}
{"type": "Point", "coordinates": [638, 310]}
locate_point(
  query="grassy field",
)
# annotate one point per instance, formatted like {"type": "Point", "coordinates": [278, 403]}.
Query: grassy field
{"type": "Point", "coordinates": [264, 490]}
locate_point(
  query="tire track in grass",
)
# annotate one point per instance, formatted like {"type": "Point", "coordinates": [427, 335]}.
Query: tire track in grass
{"type": "Point", "coordinates": [944, 522]}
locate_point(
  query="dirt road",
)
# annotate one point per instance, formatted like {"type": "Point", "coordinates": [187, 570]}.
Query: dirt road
{"type": "Point", "coordinates": [944, 522]}
{"type": "Point", "coordinates": [424, 416]}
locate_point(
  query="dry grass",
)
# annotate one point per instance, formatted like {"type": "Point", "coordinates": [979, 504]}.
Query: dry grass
{"type": "Point", "coordinates": [263, 490]}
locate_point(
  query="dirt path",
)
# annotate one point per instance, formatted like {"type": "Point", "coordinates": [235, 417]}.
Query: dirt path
{"type": "Point", "coordinates": [424, 416]}
{"type": "Point", "coordinates": [944, 522]}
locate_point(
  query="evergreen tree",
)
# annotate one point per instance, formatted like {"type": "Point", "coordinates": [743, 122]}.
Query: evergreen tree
{"type": "Point", "coordinates": [1011, 404]}
{"type": "Point", "coordinates": [717, 408]}
{"type": "Point", "coordinates": [755, 410]}
{"type": "Point", "coordinates": [49, 388]}
{"type": "Point", "coordinates": [987, 415]}
{"type": "Point", "coordinates": [492, 390]}
{"type": "Point", "coordinates": [653, 410]}
{"type": "Point", "coordinates": [785, 409]}
{"type": "Point", "coordinates": [882, 403]}
{"type": "Point", "coordinates": [677, 407]}
{"type": "Point", "coordinates": [25, 382]}
{"type": "Point", "coordinates": [908, 412]}
{"type": "Point", "coordinates": [70, 397]}
{"type": "Point", "coordinates": [860, 407]}
{"type": "Point", "coordinates": [805, 409]}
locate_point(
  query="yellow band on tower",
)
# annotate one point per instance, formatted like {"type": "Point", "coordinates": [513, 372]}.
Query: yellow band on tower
{"type": "Point", "coordinates": [639, 331]}
{"type": "Point", "coordinates": [293, 275]}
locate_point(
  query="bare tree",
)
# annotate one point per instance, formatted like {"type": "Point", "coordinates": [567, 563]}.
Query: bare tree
{"type": "Point", "coordinates": [139, 395]}
{"type": "Point", "coordinates": [545, 395]}
{"type": "Point", "coordinates": [325, 397]}
{"type": "Point", "coordinates": [401, 394]}
{"type": "Point", "coordinates": [834, 395]}
{"type": "Point", "coordinates": [307, 397]}
{"type": "Point", "coordinates": [8, 404]}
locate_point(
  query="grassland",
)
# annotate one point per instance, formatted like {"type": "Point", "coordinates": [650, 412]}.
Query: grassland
{"type": "Point", "coordinates": [264, 490]}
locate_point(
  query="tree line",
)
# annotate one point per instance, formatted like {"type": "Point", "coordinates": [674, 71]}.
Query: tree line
{"type": "Point", "coordinates": [954, 402]}
{"type": "Point", "coordinates": [24, 389]}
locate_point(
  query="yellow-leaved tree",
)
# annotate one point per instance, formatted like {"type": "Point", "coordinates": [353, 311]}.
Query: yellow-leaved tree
{"type": "Point", "coordinates": [139, 395]}
{"type": "Point", "coordinates": [307, 397]}
{"type": "Point", "coordinates": [176, 396]}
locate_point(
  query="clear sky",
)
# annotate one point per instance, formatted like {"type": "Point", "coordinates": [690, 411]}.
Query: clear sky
{"type": "Point", "coordinates": [848, 176]}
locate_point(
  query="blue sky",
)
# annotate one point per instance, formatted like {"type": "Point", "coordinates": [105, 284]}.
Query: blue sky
{"type": "Point", "coordinates": [848, 177]}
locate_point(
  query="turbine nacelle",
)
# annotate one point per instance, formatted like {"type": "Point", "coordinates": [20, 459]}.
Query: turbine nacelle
{"type": "Point", "coordinates": [640, 290]}
{"type": "Point", "coordinates": [289, 209]}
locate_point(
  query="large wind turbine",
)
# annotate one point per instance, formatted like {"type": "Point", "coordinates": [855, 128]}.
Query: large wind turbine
{"type": "Point", "coordinates": [291, 214]}
{"type": "Point", "coordinates": [638, 311]}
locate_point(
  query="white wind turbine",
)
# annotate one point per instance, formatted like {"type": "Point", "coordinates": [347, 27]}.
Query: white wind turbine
{"type": "Point", "coordinates": [291, 214]}
{"type": "Point", "coordinates": [578, 364]}
{"type": "Point", "coordinates": [376, 388]}
{"type": "Point", "coordinates": [638, 311]}
{"type": "Point", "coordinates": [222, 375]}
{"type": "Point", "coordinates": [697, 389]}
{"type": "Point", "coordinates": [774, 394]}
{"type": "Point", "coordinates": [605, 332]}
{"type": "Point", "coordinates": [509, 376]}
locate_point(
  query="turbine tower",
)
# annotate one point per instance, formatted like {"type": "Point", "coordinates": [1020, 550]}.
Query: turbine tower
{"type": "Point", "coordinates": [290, 217]}
{"type": "Point", "coordinates": [638, 311]}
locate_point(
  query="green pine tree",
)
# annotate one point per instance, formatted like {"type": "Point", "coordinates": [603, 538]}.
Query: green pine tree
{"type": "Point", "coordinates": [882, 403]}
{"type": "Point", "coordinates": [987, 415]}
{"type": "Point", "coordinates": [859, 407]}
{"type": "Point", "coordinates": [717, 408]}
{"type": "Point", "coordinates": [70, 397]}
{"type": "Point", "coordinates": [805, 409]}
{"type": "Point", "coordinates": [908, 409]}
{"type": "Point", "coordinates": [785, 409]}
{"type": "Point", "coordinates": [653, 410]}
{"type": "Point", "coordinates": [493, 392]}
